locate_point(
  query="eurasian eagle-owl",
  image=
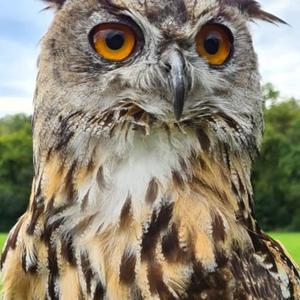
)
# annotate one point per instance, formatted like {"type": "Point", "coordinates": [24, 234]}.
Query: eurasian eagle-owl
{"type": "Point", "coordinates": [148, 115]}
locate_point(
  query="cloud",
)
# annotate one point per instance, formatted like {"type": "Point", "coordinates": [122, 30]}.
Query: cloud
{"type": "Point", "coordinates": [278, 47]}
{"type": "Point", "coordinates": [13, 105]}
{"type": "Point", "coordinates": [17, 76]}
{"type": "Point", "coordinates": [21, 27]}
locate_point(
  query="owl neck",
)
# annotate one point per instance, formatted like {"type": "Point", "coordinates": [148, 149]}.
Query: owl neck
{"type": "Point", "coordinates": [154, 184]}
{"type": "Point", "coordinates": [134, 203]}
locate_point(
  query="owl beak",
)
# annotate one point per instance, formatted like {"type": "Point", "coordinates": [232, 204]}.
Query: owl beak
{"type": "Point", "coordinates": [178, 81]}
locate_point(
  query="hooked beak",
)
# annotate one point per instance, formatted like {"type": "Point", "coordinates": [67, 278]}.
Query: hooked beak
{"type": "Point", "coordinates": [178, 82]}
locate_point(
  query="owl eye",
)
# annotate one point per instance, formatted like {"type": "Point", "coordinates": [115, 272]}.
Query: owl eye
{"type": "Point", "coordinates": [113, 41]}
{"type": "Point", "coordinates": [214, 43]}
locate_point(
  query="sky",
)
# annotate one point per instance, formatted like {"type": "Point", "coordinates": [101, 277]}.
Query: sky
{"type": "Point", "coordinates": [23, 24]}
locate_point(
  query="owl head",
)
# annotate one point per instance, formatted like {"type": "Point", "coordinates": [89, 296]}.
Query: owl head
{"type": "Point", "coordinates": [117, 67]}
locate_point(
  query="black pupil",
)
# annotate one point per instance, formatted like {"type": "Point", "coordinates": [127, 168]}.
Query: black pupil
{"type": "Point", "coordinates": [114, 39]}
{"type": "Point", "coordinates": [212, 44]}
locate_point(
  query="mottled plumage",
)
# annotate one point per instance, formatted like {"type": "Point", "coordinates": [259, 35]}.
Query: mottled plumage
{"type": "Point", "coordinates": [130, 201]}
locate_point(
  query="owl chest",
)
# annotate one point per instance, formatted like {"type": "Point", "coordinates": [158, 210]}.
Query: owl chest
{"type": "Point", "coordinates": [164, 241]}
{"type": "Point", "coordinates": [142, 175]}
{"type": "Point", "coordinates": [157, 266]}
{"type": "Point", "coordinates": [142, 228]}
{"type": "Point", "coordinates": [151, 238]}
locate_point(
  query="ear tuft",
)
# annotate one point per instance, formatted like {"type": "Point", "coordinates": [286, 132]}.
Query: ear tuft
{"type": "Point", "coordinates": [253, 10]}
{"type": "Point", "coordinates": [56, 4]}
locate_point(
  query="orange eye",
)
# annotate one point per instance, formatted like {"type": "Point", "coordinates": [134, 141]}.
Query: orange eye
{"type": "Point", "coordinates": [214, 43]}
{"type": "Point", "coordinates": [113, 41]}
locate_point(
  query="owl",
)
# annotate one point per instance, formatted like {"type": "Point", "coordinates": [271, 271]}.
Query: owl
{"type": "Point", "coordinates": [147, 120]}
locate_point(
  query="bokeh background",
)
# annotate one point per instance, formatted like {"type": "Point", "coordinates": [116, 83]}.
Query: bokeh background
{"type": "Point", "coordinates": [277, 173]}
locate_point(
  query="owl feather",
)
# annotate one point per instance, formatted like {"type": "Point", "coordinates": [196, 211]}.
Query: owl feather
{"type": "Point", "coordinates": [148, 116]}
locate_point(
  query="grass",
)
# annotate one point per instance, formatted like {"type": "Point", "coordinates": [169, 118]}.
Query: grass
{"type": "Point", "coordinates": [291, 242]}
{"type": "Point", "coordinates": [3, 237]}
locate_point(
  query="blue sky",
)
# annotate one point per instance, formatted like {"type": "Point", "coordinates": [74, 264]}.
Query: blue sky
{"type": "Point", "coordinates": [23, 23]}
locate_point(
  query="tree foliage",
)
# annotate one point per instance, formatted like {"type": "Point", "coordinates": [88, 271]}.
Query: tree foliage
{"type": "Point", "coordinates": [276, 176]}
{"type": "Point", "coordinates": [16, 169]}
{"type": "Point", "coordinates": [277, 172]}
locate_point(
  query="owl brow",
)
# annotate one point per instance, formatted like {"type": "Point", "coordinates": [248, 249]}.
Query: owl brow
{"type": "Point", "coordinates": [111, 5]}
{"type": "Point", "coordinates": [206, 12]}
{"type": "Point", "coordinates": [175, 7]}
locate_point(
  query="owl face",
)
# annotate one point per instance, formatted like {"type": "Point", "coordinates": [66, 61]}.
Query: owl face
{"type": "Point", "coordinates": [187, 64]}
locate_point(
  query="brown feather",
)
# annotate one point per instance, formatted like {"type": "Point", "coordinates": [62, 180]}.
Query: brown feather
{"type": "Point", "coordinates": [253, 10]}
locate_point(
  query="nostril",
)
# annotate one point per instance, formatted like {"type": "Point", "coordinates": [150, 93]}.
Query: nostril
{"type": "Point", "coordinates": [167, 67]}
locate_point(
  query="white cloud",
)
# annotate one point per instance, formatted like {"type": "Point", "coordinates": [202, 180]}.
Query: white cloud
{"type": "Point", "coordinates": [17, 77]}
{"type": "Point", "coordinates": [18, 64]}
{"type": "Point", "coordinates": [278, 47]}
{"type": "Point", "coordinates": [13, 105]}
{"type": "Point", "coordinates": [22, 26]}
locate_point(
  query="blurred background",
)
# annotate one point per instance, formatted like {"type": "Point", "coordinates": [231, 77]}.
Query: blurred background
{"type": "Point", "coordinates": [276, 176]}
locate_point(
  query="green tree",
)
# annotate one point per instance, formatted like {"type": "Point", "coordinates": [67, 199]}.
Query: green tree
{"type": "Point", "coordinates": [16, 169]}
{"type": "Point", "coordinates": [277, 172]}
